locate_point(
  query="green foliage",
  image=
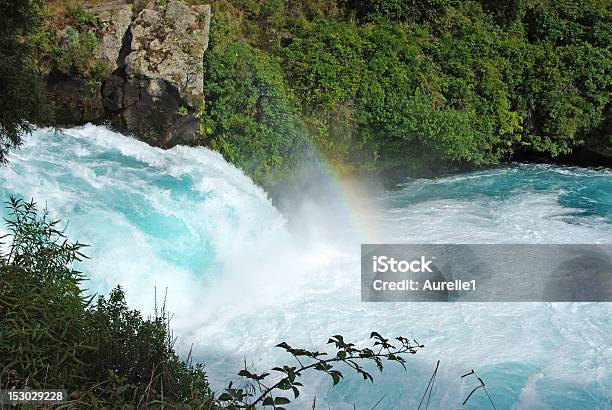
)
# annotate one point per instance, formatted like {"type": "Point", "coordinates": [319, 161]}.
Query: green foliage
{"type": "Point", "coordinates": [76, 55]}
{"type": "Point", "coordinates": [567, 89]}
{"type": "Point", "coordinates": [53, 335]}
{"type": "Point", "coordinates": [24, 101]}
{"type": "Point", "coordinates": [325, 64]}
{"type": "Point", "coordinates": [41, 305]}
{"type": "Point", "coordinates": [248, 115]}
{"type": "Point", "coordinates": [182, 110]}
{"type": "Point", "coordinates": [264, 24]}
{"type": "Point", "coordinates": [67, 43]}
{"type": "Point", "coordinates": [140, 354]}
{"type": "Point", "coordinates": [478, 74]}
{"type": "Point", "coordinates": [402, 106]}
{"type": "Point", "coordinates": [398, 10]}
{"type": "Point", "coordinates": [383, 84]}
{"type": "Point", "coordinates": [264, 20]}
{"type": "Point", "coordinates": [78, 13]}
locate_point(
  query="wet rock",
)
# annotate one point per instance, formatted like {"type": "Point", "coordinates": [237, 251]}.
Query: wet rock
{"type": "Point", "coordinates": [150, 110]}
{"type": "Point", "coordinates": [76, 101]}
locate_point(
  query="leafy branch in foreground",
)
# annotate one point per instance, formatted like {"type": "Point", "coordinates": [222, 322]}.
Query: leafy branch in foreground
{"type": "Point", "coordinates": [259, 392]}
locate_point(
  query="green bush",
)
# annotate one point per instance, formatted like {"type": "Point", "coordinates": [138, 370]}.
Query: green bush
{"type": "Point", "coordinates": [407, 84]}
{"type": "Point", "coordinates": [67, 43]}
{"type": "Point", "coordinates": [77, 13]}
{"type": "Point", "coordinates": [567, 88]}
{"type": "Point", "coordinates": [382, 84]}
{"type": "Point", "coordinates": [24, 101]}
{"type": "Point", "coordinates": [76, 54]}
{"type": "Point", "coordinates": [478, 73]}
{"type": "Point", "coordinates": [248, 115]}
{"type": "Point", "coordinates": [42, 308]}
{"type": "Point", "coordinates": [398, 10]}
{"type": "Point", "coordinates": [103, 353]}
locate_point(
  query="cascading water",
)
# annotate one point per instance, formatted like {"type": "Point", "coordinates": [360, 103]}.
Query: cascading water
{"type": "Point", "coordinates": [241, 277]}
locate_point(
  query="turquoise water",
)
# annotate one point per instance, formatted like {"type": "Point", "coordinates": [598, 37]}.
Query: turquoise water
{"type": "Point", "coordinates": [241, 277]}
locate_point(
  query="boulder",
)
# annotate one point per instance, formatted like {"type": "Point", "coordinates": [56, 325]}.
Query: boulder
{"type": "Point", "coordinates": [114, 23]}
{"type": "Point", "coordinates": [151, 110]}
{"type": "Point", "coordinates": [155, 79]}
{"type": "Point", "coordinates": [159, 83]}
{"type": "Point", "coordinates": [168, 42]}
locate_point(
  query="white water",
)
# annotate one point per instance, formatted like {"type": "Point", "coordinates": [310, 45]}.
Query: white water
{"type": "Point", "coordinates": [241, 278]}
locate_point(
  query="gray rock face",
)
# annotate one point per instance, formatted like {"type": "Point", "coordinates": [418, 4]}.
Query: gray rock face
{"type": "Point", "coordinates": [114, 23]}
{"type": "Point", "coordinates": [168, 42]}
{"type": "Point", "coordinates": [155, 79]}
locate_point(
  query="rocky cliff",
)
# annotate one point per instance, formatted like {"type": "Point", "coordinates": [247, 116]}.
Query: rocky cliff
{"type": "Point", "coordinates": [152, 86]}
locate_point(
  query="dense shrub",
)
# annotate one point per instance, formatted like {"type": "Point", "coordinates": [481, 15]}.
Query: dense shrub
{"type": "Point", "coordinates": [479, 74]}
{"type": "Point", "coordinates": [385, 83]}
{"type": "Point", "coordinates": [398, 10]}
{"type": "Point", "coordinates": [42, 309]}
{"type": "Point", "coordinates": [248, 115]}
{"type": "Point", "coordinates": [402, 100]}
{"type": "Point", "coordinates": [103, 353]}
{"type": "Point", "coordinates": [568, 86]}
{"type": "Point", "coordinates": [23, 99]}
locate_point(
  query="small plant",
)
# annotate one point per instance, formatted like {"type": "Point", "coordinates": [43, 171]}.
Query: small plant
{"type": "Point", "coordinates": [182, 111]}
{"type": "Point", "coordinates": [93, 85]}
{"type": "Point", "coordinates": [258, 392]}
{"type": "Point", "coordinates": [99, 70]}
{"type": "Point", "coordinates": [80, 15]}
{"type": "Point", "coordinates": [75, 55]}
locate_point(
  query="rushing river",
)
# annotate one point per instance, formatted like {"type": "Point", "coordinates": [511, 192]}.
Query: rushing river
{"type": "Point", "coordinates": [241, 277]}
